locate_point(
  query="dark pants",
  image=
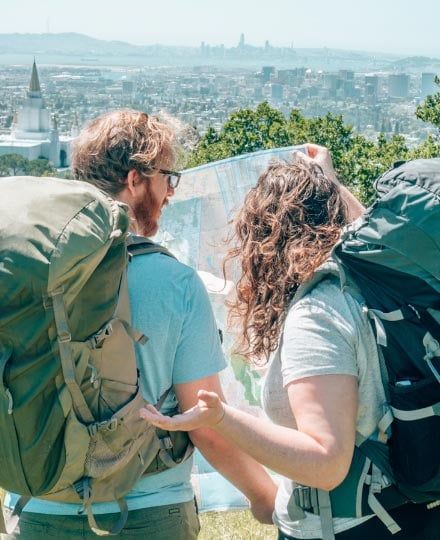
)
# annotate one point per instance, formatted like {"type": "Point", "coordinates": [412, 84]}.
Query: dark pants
{"type": "Point", "coordinates": [415, 520]}
{"type": "Point", "coordinates": [176, 522]}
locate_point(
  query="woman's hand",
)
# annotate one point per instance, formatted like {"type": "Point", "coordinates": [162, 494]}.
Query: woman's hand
{"type": "Point", "coordinates": [321, 156]}
{"type": "Point", "coordinates": [208, 412]}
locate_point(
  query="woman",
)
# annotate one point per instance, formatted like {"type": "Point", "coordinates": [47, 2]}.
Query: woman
{"type": "Point", "coordinates": [323, 383]}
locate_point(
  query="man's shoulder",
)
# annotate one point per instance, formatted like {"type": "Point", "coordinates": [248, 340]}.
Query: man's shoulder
{"type": "Point", "coordinates": [163, 261]}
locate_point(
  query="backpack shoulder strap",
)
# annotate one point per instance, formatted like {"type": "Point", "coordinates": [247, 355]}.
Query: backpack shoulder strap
{"type": "Point", "coordinates": [327, 269]}
{"type": "Point", "coordinates": [138, 245]}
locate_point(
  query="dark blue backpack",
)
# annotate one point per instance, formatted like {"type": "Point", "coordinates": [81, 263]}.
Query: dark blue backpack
{"type": "Point", "coordinates": [390, 257]}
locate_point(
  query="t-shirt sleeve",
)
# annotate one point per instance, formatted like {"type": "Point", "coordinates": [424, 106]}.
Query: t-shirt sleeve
{"type": "Point", "coordinates": [199, 352]}
{"type": "Point", "coordinates": [319, 337]}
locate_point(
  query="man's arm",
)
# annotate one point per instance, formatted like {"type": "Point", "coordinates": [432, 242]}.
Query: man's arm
{"type": "Point", "coordinates": [240, 469]}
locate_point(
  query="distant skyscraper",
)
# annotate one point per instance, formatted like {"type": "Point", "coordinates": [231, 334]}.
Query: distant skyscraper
{"type": "Point", "coordinates": [241, 43]}
{"type": "Point", "coordinates": [268, 72]}
{"type": "Point", "coordinates": [346, 74]}
{"type": "Point", "coordinates": [371, 85]}
{"type": "Point", "coordinates": [428, 85]}
{"type": "Point", "coordinates": [398, 85]}
{"type": "Point", "coordinates": [277, 91]}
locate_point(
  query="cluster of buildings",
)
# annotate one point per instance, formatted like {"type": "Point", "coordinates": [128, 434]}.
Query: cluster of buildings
{"type": "Point", "coordinates": [44, 121]}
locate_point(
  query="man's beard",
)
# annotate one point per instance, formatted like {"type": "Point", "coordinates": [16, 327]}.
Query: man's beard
{"type": "Point", "coordinates": [146, 213]}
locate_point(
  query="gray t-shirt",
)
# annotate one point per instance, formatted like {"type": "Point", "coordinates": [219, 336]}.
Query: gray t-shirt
{"type": "Point", "coordinates": [326, 332]}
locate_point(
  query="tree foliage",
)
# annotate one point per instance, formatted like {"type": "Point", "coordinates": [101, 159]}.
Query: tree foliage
{"type": "Point", "coordinates": [357, 160]}
{"type": "Point", "coordinates": [14, 164]}
{"type": "Point", "coordinates": [429, 110]}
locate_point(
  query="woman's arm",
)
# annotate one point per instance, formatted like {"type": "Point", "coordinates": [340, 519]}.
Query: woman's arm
{"type": "Point", "coordinates": [234, 464]}
{"type": "Point", "coordinates": [317, 454]}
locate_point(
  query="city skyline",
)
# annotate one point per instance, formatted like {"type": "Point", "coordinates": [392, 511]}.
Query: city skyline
{"type": "Point", "coordinates": [390, 26]}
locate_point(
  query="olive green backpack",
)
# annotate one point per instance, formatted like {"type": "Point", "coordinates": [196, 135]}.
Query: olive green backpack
{"type": "Point", "coordinates": [69, 392]}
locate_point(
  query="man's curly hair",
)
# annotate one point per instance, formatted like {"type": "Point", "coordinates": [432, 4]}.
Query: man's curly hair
{"type": "Point", "coordinates": [286, 228]}
{"type": "Point", "coordinates": [116, 142]}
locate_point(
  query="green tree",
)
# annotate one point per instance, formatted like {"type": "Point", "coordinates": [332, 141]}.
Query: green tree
{"type": "Point", "coordinates": [429, 110]}
{"type": "Point", "coordinates": [12, 164]}
{"type": "Point", "coordinates": [245, 131]}
{"type": "Point", "coordinates": [40, 167]}
{"type": "Point", "coordinates": [358, 161]}
{"type": "Point", "coordinates": [329, 131]}
{"type": "Point", "coordinates": [210, 148]}
{"type": "Point", "coordinates": [428, 149]}
{"type": "Point", "coordinates": [365, 161]}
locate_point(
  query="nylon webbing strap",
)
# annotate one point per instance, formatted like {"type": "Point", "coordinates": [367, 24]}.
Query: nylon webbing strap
{"type": "Point", "coordinates": [67, 363]}
{"type": "Point", "coordinates": [84, 490]}
{"type": "Point", "coordinates": [378, 509]}
{"type": "Point", "coordinates": [116, 527]}
{"type": "Point", "coordinates": [135, 335]}
{"type": "Point", "coordinates": [325, 514]}
{"type": "Point", "coordinates": [379, 316]}
{"type": "Point", "coordinates": [418, 414]}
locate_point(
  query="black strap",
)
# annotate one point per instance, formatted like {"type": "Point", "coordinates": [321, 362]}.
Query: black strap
{"type": "Point", "coordinates": [138, 245]}
{"type": "Point", "coordinates": [429, 323]}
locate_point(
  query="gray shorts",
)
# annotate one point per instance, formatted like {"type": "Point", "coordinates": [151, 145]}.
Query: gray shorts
{"type": "Point", "coordinates": [176, 521]}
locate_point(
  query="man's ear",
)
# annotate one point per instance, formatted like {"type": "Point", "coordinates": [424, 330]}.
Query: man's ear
{"type": "Point", "coordinates": [133, 178]}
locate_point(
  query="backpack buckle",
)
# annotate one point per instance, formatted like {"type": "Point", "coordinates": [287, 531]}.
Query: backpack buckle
{"type": "Point", "coordinates": [64, 337]}
{"type": "Point", "coordinates": [96, 341]}
{"type": "Point", "coordinates": [108, 425]}
{"type": "Point", "coordinates": [166, 443]}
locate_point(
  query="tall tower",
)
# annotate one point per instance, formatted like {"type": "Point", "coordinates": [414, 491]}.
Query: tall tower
{"type": "Point", "coordinates": [241, 43]}
{"type": "Point", "coordinates": [54, 145]}
{"type": "Point", "coordinates": [33, 117]}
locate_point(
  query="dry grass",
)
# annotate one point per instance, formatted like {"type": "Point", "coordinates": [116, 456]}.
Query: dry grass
{"type": "Point", "coordinates": [234, 525]}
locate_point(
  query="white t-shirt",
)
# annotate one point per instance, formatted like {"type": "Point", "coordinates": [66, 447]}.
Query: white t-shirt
{"type": "Point", "coordinates": [325, 332]}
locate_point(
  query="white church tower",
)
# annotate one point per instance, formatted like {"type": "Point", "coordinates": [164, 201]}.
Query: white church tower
{"type": "Point", "coordinates": [33, 133]}
{"type": "Point", "coordinates": [33, 118]}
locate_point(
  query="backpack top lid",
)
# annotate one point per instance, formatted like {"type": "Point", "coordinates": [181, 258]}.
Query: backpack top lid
{"type": "Point", "coordinates": [53, 233]}
{"type": "Point", "coordinates": [422, 172]}
{"type": "Point", "coordinates": [401, 229]}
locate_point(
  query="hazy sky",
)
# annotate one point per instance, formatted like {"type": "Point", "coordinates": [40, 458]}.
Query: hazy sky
{"type": "Point", "coordinates": [403, 26]}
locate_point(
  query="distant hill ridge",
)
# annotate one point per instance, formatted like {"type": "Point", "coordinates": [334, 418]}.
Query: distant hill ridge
{"type": "Point", "coordinates": [81, 48]}
{"type": "Point", "coordinates": [70, 43]}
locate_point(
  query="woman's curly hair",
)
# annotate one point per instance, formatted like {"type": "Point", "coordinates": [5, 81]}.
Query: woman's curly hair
{"type": "Point", "coordinates": [286, 228]}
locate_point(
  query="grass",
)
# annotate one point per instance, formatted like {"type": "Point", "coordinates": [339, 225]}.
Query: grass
{"type": "Point", "coordinates": [234, 525]}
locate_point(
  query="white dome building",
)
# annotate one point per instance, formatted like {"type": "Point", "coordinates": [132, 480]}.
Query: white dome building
{"type": "Point", "coordinates": [33, 133]}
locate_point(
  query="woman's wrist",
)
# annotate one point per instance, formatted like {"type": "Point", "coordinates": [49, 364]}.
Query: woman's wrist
{"type": "Point", "coordinates": [222, 417]}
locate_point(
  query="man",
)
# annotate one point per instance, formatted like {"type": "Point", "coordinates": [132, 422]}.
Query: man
{"type": "Point", "coordinates": [130, 155]}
